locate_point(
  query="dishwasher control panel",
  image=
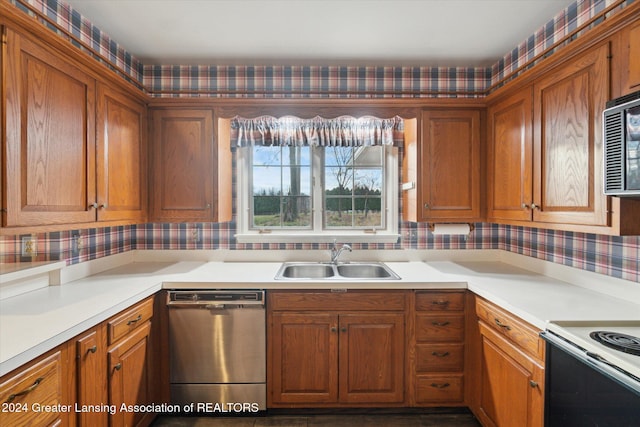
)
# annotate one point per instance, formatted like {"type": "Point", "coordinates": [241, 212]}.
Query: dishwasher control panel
{"type": "Point", "coordinates": [254, 297]}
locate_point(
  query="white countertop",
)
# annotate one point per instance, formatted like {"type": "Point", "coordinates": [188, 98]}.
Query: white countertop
{"type": "Point", "coordinates": [36, 321]}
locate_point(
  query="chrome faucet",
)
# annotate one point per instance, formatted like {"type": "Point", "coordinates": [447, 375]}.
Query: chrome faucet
{"type": "Point", "coordinates": [335, 252]}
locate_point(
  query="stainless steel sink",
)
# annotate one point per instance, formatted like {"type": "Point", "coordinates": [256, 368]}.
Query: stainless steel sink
{"type": "Point", "coordinates": [306, 271]}
{"type": "Point", "coordinates": [339, 271]}
{"type": "Point", "coordinates": [365, 271]}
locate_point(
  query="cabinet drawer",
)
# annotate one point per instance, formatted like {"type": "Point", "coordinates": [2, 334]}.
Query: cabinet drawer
{"type": "Point", "coordinates": [128, 320]}
{"type": "Point", "coordinates": [439, 389]}
{"type": "Point", "coordinates": [517, 331]}
{"type": "Point", "coordinates": [439, 301]}
{"type": "Point", "coordinates": [439, 328]}
{"type": "Point", "coordinates": [336, 301]}
{"type": "Point", "coordinates": [40, 384]}
{"type": "Point", "coordinates": [439, 357]}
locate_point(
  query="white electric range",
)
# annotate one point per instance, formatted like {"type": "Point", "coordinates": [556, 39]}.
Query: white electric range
{"type": "Point", "coordinates": [592, 373]}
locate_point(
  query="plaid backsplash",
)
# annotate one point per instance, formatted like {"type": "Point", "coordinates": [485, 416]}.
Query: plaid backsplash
{"type": "Point", "coordinates": [613, 256]}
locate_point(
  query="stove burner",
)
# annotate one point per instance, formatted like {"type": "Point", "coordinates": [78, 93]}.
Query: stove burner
{"type": "Point", "coordinates": [617, 341]}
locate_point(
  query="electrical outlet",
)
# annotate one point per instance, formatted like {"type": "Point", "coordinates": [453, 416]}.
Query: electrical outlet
{"type": "Point", "coordinates": [76, 244]}
{"type": "Point", "coordinates": [29, 246]}
{"type": "Point", "coordinates": [196, 234]}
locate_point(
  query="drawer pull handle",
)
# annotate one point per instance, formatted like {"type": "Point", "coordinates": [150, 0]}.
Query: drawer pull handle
{"type": "Point", "coordinates": [441, 386]}
{"type": "Point", "coordinates": [440, 302]}
{"type": "Point", "coordinates": [25, 391]}
{"type": "Point", "coordinates": [92, 349]}
{"type": "Point", "coordinates": [118, 367]}
{"type": "Point", "coordinates": [440, 323]}
{"type": "Point", "coordinates": [137, 319]}
{"type": "Point", "coordinates": [502, 325]}
{"type": "Point", "coordinates": [440, 354]}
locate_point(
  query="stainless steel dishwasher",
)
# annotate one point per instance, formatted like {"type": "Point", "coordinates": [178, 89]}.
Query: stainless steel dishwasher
{"type": "Point", "coordinates": [218, 349]}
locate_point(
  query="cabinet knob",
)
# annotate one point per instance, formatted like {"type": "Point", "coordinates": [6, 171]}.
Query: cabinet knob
{"type": "Point", "coordinates": [208, 205]}
{"type": "Point", "coordinates": [343, 330]}
{"type": "Point", "coordinates": [93, 205]}
{"type": "Point", "coordinates": [534, 206]}
{"type": "Point", "coordinates": [92, 349]}
{"type": "Point", "coordinates": [525, 206]}
{"type": "Point", "coordinates": [334, 329]}
{"type": "Point", "coordinates": [533, 384]}
{"type": "Point", "coordinates": [103, 206]}
{"type": "Point", "coordinates": [118, 367]}
{"type": "Point", "coordinates": [426, 206]}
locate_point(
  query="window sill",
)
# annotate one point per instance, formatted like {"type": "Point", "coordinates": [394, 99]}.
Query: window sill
{"type": "Point", "coordinates": [317, 238]}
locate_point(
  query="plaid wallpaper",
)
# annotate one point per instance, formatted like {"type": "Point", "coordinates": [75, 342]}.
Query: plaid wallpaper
{"type": "Point", "coordinates": [575, 15]}
{"type": "Point", "coordinates": [314, 81]}
{"type": "Point", "coordinates": [615, 256]}
{"type": "Point", "coordinates": [319, 81]}
{"type": "Point", "coordinates": [82, 28]}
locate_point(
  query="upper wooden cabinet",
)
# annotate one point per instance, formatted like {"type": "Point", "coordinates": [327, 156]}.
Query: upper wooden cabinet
{"type": "Point", "coordinates": [628, 64]}
{"type": "Point", "coordinates": [510, 158]}
{"type": "Point", "coordinates": [49, 137]}
{"type": "Point", "coordinates": [545, 152]}
{"type": "Point", "coordinates": [183, 174]}
{"type": "Point", "coordinates": [446, 167]}
{"type": "Point", "coordinates": [60, 167]}
{"type": "Point", "coordinates": [121, 156]}
{"type": "Point", "coordinates": [567, 133]}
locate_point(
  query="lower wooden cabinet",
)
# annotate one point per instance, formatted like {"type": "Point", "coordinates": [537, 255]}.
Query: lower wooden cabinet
{"type": "Point", "coordinates": [130, 377]}
{"type": "Point", "coordinates": [439, 348]}
{"type": "Point", "coordinates": [38, 393]}
{"type": "Point", "coordinates": [511, 370]}
{"type": "Point", "coordinates": [336, 349]}
{"type": "Point", "coordinates": [86, 380]}
{"type": "Point", "coordinates": [91, 375]}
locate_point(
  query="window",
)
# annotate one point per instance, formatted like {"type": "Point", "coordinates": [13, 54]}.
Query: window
{"type": "Point", "coordinates": [311, 192]}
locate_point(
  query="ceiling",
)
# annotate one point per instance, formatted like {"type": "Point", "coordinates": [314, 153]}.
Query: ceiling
{"type": "Point", "coordinates": [473, 33]}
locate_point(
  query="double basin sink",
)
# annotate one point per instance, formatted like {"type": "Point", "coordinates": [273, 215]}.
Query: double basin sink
{"type": "Point", "coordinates": [335, 271]}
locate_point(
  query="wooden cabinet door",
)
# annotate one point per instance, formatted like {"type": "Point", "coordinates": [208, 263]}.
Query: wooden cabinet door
{"type": "Point", "coordinates": [41, 384]}
{"type": "Point", "coordinates": [510, 154]}
{"type": "Point", "coordinates": [511, 391]}
{"type": "Point", "coordinates": [629, 62]}
{"type": "Point", "coordinates": [371, 358]}
{"type": "Point", "coordinates": [450, 162]}
{"type": "Point", "coordinates": [91, 372]}
{"type": "Point", "coordinates": [50, 137]}
{"type": "Point", "coordinates": [304, 350]}
{"type": "Point", "coordinates": [568, 106]}
{"type": "Point", "coordinates": [129, 377]}
{"type": "Point", "coordinates": [183, 175]}
{"type": "Point", "coordinates": [121, 156]}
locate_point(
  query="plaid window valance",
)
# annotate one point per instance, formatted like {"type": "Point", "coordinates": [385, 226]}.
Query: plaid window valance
{"type": "Point", "coordinates": [345, 131]}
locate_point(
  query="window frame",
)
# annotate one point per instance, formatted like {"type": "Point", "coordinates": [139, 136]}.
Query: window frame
{"type": "Point", "coordinates": [317, 233]}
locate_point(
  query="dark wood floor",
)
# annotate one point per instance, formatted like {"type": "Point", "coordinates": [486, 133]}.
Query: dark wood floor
{"type": "Point", "coordinates": [461, 419]}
